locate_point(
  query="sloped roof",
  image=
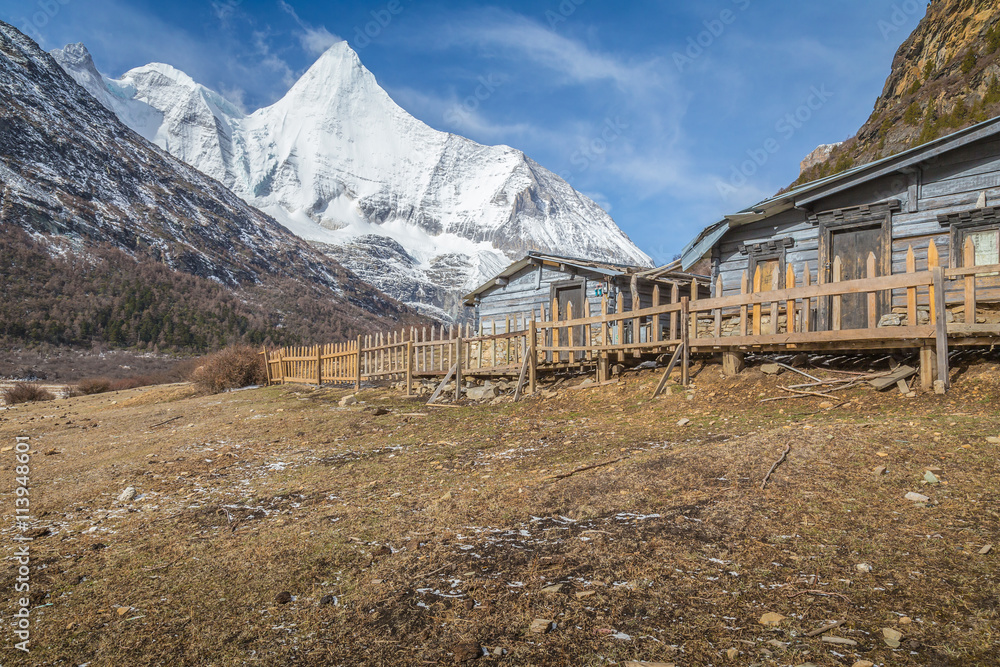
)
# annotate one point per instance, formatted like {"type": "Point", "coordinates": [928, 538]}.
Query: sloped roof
{"type": "Point", "coordinates": [809, 193]}
{"type": "Point", "coordinates": [582, 266]}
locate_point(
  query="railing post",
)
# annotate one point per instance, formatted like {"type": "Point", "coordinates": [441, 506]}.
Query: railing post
{"type": "Point", "coordinates": [870, 272]}
{"type": "Point", "coordinates": [744, 289]}
{"type": "Point", "coordinates": [838, 272]}
{"type": "Point", "coordinates": [757, 278]}
{"type": "Point", "coordinates": [911, 293]}
{"type": "Point", "coordinates": [319, 365]}
{"type": "Point", "coordinates": [933, 261]}
{"type": "Point", "coordinates": [790, 304]}
{"type": "Point", "coordinates": [267, 365]}
{"type": "Point", "coordinates": [357, 374]}
{"type": "Point", "coordinates": [281, 364]}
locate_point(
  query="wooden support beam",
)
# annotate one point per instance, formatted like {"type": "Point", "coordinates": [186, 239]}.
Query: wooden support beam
{"type": "Point", "coordinates": [718, 311]}
{"type": "Point", "coordinates": [838, 272]}
{"type": "Point", "coordinates": [928, 367]}
{"type": "Point", "coordinates": [357, 375]}
{"type": "Point", "coordinates": [670, 367]}
{"type": "Point", "coordinates": [933, 261]}
{"type": "Point", "coordinates": [757, 278]}
{"type": "Point", "coordinates": [458, 368]}
{"type": "Point", "coordinates": [409, 368]}
{"type": "Point", "coordinates": [686, 342]}
{"type": "Point", "coordinates": [807, 301]}
{"type": "Point", "coordinates": [444, 382]}
{"type": "Point", "coordinates": [733, 363]}
{"type": "Point", "coordinates": [969, 259]}
{"type": "Point", "coordinates": [744, 289]}
{"type": "Point", "coordinates": [911, 292]}
{"type": "Point", "coordinates": [532, 355]}
{"type": "Point", "coordinates": [521, 378]}
{"type": "Point", "coordinates": [790, 304]}
{"type": "Point", "coordinates": [871, 272]}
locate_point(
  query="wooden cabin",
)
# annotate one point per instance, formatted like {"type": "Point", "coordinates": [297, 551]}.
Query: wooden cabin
{"type": "Point", "coordinates": [507, 301]}
{"type": "Point", "coordinates": [940, 200]}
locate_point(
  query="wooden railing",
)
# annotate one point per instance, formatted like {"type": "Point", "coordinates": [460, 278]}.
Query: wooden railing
{"type": "Point", "coordinates": [802, 315]}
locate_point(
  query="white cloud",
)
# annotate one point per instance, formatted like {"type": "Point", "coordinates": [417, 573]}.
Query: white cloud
{"type": "Point", "coordinates": [314, 39]}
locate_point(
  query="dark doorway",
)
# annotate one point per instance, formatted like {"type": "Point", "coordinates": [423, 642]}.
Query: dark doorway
{"type": "Point", "coordinates": [853, 246]}
{"type": "Point", "coordinates": [566, 294]}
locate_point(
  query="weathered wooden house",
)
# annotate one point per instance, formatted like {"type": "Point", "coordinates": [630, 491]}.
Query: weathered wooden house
{"type": "Point", "coordinates": [507, 301]}
{"type": "Point", "coordinates": [945, 192]}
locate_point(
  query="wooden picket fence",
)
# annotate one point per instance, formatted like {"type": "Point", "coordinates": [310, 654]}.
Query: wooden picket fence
{"type": "Point", "coordinates": [752, 320]}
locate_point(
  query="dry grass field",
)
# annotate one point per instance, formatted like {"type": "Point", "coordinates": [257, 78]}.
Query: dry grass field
{"type": "Point", "coordinates": [273, 527]}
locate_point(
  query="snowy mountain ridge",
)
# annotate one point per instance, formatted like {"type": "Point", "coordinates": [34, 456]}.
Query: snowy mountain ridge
{"type": "Point", "coordinates": [423, 215]}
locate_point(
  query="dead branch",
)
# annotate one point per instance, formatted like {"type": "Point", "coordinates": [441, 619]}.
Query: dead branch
{"type": "Point", "coordinates": [825, 628]}
{"type": "Point", "coordinates": [166, 422]}
{"type": "Point", "coordinates": [581, 469]}
{"type": "Point", "coordinates": [777, 463]}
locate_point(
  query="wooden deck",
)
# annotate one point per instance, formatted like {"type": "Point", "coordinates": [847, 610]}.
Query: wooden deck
{"type": "Point", "coordinates": [754, 321]}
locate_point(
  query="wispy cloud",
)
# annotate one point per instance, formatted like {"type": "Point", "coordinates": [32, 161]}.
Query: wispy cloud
{"type": "Point", "coordinates": [314, 39]}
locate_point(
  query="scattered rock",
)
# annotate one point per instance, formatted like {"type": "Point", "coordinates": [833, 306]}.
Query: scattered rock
{"type": "Point", "coordinates": [482, 393]}
{"type": "Point", "coordinates": [98, 546]}
{"type": "Point", "coordinates": [863, 663]}
{"type": "Point", "coordinates": [467, 651]}
{"type": "Point", "coordinates": [916, 497]}
{"type": "Point", "coordinates": [554, 588]}
{"type": "Point", "coordinates": [771, 369]}
{"type": "Point", "coordinates": [838, 640]}
{"type": "Point", "coordinates": [446, 497]}
{"type": "Point", "coordinates": [348, 400]}
{"type": "Point", "coordinates": [879, 471]}
{"type": "Point", "coordinates": [891, 637]}
{"type": "Point", "coordinates": [772, 619]}
{"type": "Point", "coordinates": [327, 600]}
{"type": "Point", "coordinates": [825, 405]}
{"type": "Point", "coordinates": [985, 550]}
{"type": "Point", "coordinates": [52, 452]}
{"type": "Point", "coordinates": [993, 441]}
{"type": "Point", "coordinates": [579, 595]}
{"type": "Point", "coordinates": [863, 567]}
{"type": "Point", "coordinates": [684, 422]}
{"type": "Point", "coordinates": [382, 552]}
{"type": "Point", "coordinates": [127, 495]}
{"type": "Point", "coordinates": [123, 610]}
{"type": "Point", "coordinates": [931, 478]}
{"type": "Point", "coordinates": [540, 626]}
{"type": "Point", "coordinates": [469, 605]}
{"type": "Point", "coordinates": [283, 597]}
{"type": "Point", "coordinates": [379, 412]}
{"type": "Point", "coordinates": [732, 653]}
{"type": "Point", "coordinates": [905, 620]}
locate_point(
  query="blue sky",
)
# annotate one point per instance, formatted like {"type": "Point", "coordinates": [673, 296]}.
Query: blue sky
{"type": "Point", "coordinates": [669, 114]}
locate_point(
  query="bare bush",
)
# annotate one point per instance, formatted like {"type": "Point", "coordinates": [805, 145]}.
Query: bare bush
{"type": "Point", "coordinates": [90, 386]}
{"type": "Point", "coordinates": [26, 392]}
{"type": "Point", "coordinates": [232, 368]}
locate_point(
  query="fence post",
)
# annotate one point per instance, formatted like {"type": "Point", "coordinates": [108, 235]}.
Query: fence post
{"type": "Point", "coordinates": [969, 260]}
{"type": "Point", "coordinates": [357, 375]}
{"type": "Point", "coordinates": [409, 368]}
{"type": "Point", "coordinates": [319, 365]}
{"type": "Point", "coordinates": [870, 272]}
{"type": "Point", "coordinates": [267, 366]}
{"type": "Point", "coordinates": [281, 364]}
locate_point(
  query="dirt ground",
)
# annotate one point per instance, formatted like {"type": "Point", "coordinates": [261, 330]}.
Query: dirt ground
{"type": "Point", "coordinates": [274, 527]}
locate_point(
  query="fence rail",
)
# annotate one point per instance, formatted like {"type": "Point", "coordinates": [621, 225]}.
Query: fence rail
{"type": "Point", "coordinates": [801, 316]}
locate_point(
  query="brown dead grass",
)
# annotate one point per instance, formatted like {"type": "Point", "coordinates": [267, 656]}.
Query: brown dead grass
{"type": "Point", "coordinates": [426, 528]}
{"type": "Point", "coordinates": [25, 392]}
{"type": "Point", "coordinates": [235, 367]}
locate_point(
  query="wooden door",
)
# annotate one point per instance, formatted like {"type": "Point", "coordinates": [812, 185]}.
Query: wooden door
{"type": "Point", "coordinates": [565, 295]}
{"type": "Point", "coordinates": [853, 246]}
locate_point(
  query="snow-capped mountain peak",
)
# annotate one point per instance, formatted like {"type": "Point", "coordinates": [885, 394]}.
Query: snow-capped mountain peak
{"type": "Point", "coordinates": [339, 163]}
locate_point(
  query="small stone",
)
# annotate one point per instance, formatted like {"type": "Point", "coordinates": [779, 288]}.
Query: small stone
{"type": "Point", "coordinates": [469, 605]}
{"type": "Point", "coordinates": [863, 567]}
{"type": "Point", "coordinates": [732, 653]}
{"type": "Point", "coordinates": [554, 588]}
{"type": "Point", "coordinates": [891, 637]}
{"type": "Point", "coordinates": [882, 454]}
{"type": "Point", "coordinates": [993, 441]}
{"type": "Point", "coordinates": [825, 405]}
{"type": "Point", "coordinates": [283, 597]}
{"type": "Point", "coordinates": [467, 651]}
{"type": "Point", "coordinates": [838, 640]}
{"type": "Point", "coordinates": [863, 663]}
{"type": "Point", "coordinates": [931, 478]}
{"type": "Point", "coordinates": [7, 449]}
{"type": "Point", "coordinates": [985, 550]}
{"type": "Point", "coordinates": [52, 452]}
{"type": "Point", "coordinates": [916, 497]}
{"type": "Point", "coordinates": [446, 497]}
{"type": "Point", "coordinates": [771, 369]}
{"type": "Point", "coordinates": [348, 400]}
{"type": "Point", "coordinates": [327, 600]}
{"type": "Point", "coordinates": [772, 619]}
{"type": "Point", "coordinates": [127, 495]}
{"type": "Point", "coordinates": [579, 595]}
{"type": "Point", "coordinates": [540, 626]}
{"type": "Point", "coordinates": [123, 610]}
{"type": "Point", "coordinates": [905, 620]}
{"type": "Point", "coordinates": [379, 412]}
{"type": "Point", "coordinates": [684, 422]}
{"type": "Point", "coordinates": [879, 471]}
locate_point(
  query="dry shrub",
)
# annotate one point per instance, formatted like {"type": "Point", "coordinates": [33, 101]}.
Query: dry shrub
{"type": "Point", "coordinates": [90, 386]}
{"type": "Point", "coordinates": [232, 368]}
{"type": "Point", "coordinates": [26, 392]}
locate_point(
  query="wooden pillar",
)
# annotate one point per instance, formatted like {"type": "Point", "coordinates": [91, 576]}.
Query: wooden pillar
{"type": "Point", "coordinates": [838, 272]}
{"type": "Point", "coordinates": [790, 303]}
{"type": "Point", "coordinates": [911, 297]}
{"type": "Point", "coordinates": [319, 366]}
{"type": "Point", "coordinates": [933, 261]}
{"type": "Point", "coordinates": [757, 278]}
{"type": "Point", "coordinates": [718, 311]}
{"type": "Point", "coordinates": [686, 341]}
{"type": "Point", "coordinates": [533, 355]}
{"type": "Point", "coordinates": [744, 289]}
{"type": "Point", "coordinates": [941, 328]}
{"type": "Point", "coordinates": [928, 367]}
{"type": "Point", "coordinates": [871, 273]}
{"type": "Point", "coordinates": [656, 335]}
{"type": "Point", "coordinates": [806, 303]}
{"type": "Point", "coordinates": [969, 260]}
{"type": "Point", "coordinates": [267, 365]}
{"type": "Point", "coordinates": [733, 363]}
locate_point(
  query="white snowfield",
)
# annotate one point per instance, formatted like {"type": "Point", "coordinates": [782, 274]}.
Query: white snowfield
{"type": "Point", "coordinates": [340, 164]}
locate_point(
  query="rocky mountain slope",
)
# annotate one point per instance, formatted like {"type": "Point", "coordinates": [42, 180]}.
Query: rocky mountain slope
{"type": "Point", "coordinates": [71, 171]}
{"type": "Point", "coordinates": [421, 214]}
{"type": "Point", "coordinates": [945, 77]}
